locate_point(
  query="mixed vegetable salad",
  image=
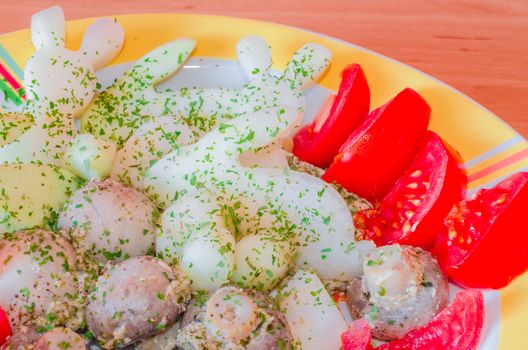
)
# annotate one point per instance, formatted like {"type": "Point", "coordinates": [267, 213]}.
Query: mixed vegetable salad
{"type": "Point", "coordinates": [209, 218]}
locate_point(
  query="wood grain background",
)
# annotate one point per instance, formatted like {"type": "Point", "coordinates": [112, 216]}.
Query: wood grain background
{"type": "Point", "coordinates": [479, 47]}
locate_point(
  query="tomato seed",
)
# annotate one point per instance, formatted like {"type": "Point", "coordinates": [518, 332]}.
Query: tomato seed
{"type": "Point", "coordinates": [500, 200]}
{"type": "Point", "coordinates": [416, 173]}
{"type": "Point", "coordinates": [416, 202]}
{"type": "Point", "coordinates": [452, 233]}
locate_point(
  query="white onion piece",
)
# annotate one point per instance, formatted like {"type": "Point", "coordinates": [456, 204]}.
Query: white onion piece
{"type": "Point", "coordinates": [324, 229]}
{"type": "Point", "coordinates": [40, 143]}
{"type": "Point", "coordinates": [59, 85]}
{"type": "Point", "coordinates": [89, 157]}
{"type": "Point", "coordinates": [272, 156]}
{"type": "Point", "coordinates": [13, 125]}
{"type": "Point", "coordinates": [298, 206]}
{"type": "Point", "coordinates": [207, 259]}
{"type": "Point", "coordinates": [313, 317]}
{"type": "Point", "coordinates": [149, 143]}
{"type": "Point", "coordinates": [262, 261]}
{"type": "Point", "coordinates": [193, 234]}
{"type": "Point", "coordinates": [116, 113]}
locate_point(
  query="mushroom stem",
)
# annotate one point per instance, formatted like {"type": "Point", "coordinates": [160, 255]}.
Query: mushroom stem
{"type": "Point", "coordinates": [231, 314]}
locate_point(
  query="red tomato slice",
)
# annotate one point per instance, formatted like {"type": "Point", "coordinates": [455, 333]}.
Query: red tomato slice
{"type": "Point", "coordinates": [318, 142]}
{"type": "Point", "coordinates": [357, 336]}
{"type": "Point", "coordinates": [413, 212]}
{"type": "Point", "coordinates": [483, 244]}
{"type": "Point", "coordinates": [382, 147]}
{"type": "Point", "coordinates": [457, 327]}
{"type": "Point", "coordinates": [5, 328]}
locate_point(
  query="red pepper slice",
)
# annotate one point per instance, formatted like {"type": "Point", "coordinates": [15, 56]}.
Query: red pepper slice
{"type": "Point", "coordinates": [413, 212]}
{"type": "Point", "coordinates": [318, 142]}
{"type": "Point", "coordinates": [5, 328]}
{"type": "Point", "coordinates": [457, 327]}
{"type": "Point", "coordinates": [358, 336]}
{"type": "Point", "coordinates": [483, 244]}
{"type": "Point", "coordinates": [377, 153]}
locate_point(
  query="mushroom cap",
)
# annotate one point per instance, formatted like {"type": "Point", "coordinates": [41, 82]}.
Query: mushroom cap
{"type": "Point", "coordinates": [134, 299]}
{"type": "Point", "coordinates": [110, 221]}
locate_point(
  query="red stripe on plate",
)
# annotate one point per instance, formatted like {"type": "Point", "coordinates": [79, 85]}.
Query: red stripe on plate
{"type": "Point", "coordinates": [500, 164]}
{"type": "Point", "coordinates": [12, 81]}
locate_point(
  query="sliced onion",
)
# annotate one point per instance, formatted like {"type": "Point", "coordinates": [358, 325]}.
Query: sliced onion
{"type": "Point", "coordinates": [313, 317]}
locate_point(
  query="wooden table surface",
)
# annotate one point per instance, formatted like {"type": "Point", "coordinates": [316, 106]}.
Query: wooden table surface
{"type": "Point", "coordinates": [478, 46]}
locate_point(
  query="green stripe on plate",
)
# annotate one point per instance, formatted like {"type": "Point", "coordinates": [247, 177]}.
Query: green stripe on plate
{"type": "Point", "coordinates": [9, 93]}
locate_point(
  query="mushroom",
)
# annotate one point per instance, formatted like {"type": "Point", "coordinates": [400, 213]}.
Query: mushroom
{"type": "Point", "coordinates": [110, 221]}
{"type": "Point", "coordinates": [135, 299]}
{"type": "Point", "coordinates": [60, 339]}
{"type": "Point", "coordinates": [38, 280]}
{"type": "Point", "coordinates": [234, 318]}
{"type": "Point", "coordinates": [402, 288]}
{"type": "Point", "coordinates": [23, 338]}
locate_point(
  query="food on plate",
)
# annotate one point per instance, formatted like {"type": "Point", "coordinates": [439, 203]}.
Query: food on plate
{"type": "Point", "coordinates": [262, 260]}
{"type": "Point", "coordinates": [31, 338]}
{"type": "Point", "coordinates": [234, 318]}
{"type": "Point", "coordinates": [299, 208]}
{"type": "Point", "coordinates": [59, 85]}
{"type": "Point", "coordinates": [489, 224]}
{"type": "Point", "coordinates": [401, 288]}
{"type": "Point", "coordinates": [110, 221]}
{"type": "Point", "coordinates": [5, 327]}
{"type": "Point", "coordinates": [31, 195]}
{"type": "Point", "coordinates": [413, 211]}
{"type": "Point", "coordinates": [355, 203]}
{"type": "Point", "coordinates": [149, 143]}
{"type": "Point", "coordinates": [319, 141]}
{"type": "Point", "coordinates": [458, 326]}
{"type": "Point", "coordinates": [225, 240]}
{"type": "Point", "coordinates": [24, 337]}
{"type": "Point", "coordinates": [313, 317]}
{"type": "Point", "coordinates": [12, 125]}
{"type": "Point", "coordinates": [38, 279]}
{"type": "Point", "coordinates": [133, 100]}
{"type": "Point", "coordinates": [166, 339]}
{"type": "Point", "coordinates": [134, 299]}
{"type": "Point", "coordinates": [358, 336]}
{"type": "Point", "coordinates": [60, 338]}
{"type": "Point", "coordinates": [89, 157]}
{"type": "Point", "coordinates": [194, 236]}
{"type": "Point", "coordinates": [377, 153]}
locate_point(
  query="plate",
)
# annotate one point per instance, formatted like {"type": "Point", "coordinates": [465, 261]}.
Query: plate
{"type": "Point", "coordinates": [490, 148]}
